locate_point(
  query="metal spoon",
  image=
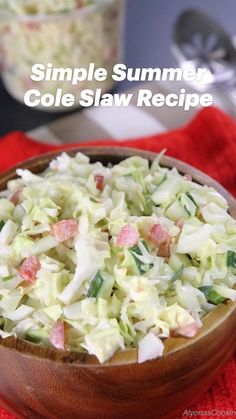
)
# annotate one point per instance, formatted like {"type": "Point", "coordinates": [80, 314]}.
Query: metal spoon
{"type": "Point", "coordinates": [200, 42]}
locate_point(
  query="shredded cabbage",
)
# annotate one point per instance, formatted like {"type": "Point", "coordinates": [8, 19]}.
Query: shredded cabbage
{"type": "Point", "coordinates": [67, 256]}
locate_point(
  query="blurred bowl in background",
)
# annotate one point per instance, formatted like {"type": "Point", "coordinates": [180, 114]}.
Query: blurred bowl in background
{"type": "Point", "coordinates": [66, 39]}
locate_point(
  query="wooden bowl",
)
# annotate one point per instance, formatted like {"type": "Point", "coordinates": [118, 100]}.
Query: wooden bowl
{"type": "Point", "coordinates": [38, 382]}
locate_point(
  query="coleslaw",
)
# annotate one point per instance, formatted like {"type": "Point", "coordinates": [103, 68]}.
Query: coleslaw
{"type": "Point", "coordinates": [100, 259]}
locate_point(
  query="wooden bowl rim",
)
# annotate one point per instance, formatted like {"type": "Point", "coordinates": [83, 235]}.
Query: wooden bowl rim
{"type": "Point", "coordinates": [129, 356]}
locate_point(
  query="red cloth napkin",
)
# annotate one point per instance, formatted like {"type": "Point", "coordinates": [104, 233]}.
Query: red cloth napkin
{"type": "Point", "coordinates": [208, 143]}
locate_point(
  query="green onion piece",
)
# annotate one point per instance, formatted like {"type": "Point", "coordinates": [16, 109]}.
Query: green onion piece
{"type": "Point", "coordinates": [135, 251]}
{"type": "Point", "coordinates": [2, 224]}
{"type": "Point", "coordinates": [231, 259]}
{"type": "Point", "coordinates": [211, 295]}
{"type": "Point", "coordinates": [177, 274]}
{"type": "Point", "coordinates": [7, 278]}
{"type": "Point", "coordinates": [95, 285]}
{"type": "Point", "coordinates": [2, 321]}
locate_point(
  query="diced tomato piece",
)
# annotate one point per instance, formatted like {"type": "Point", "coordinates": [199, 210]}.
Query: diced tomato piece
{"type": "Point", "coordinates": [158, 234]}
{"type": "Point", "coordinates": [164, 250]}
{"type": "Point", "coordinates": [64, 230]}
{"type": "Point", "coordinates": [33, 26]}
{"type": "Point", "coordinates": [161, 238]}
{"type": "Point", "coordinates": [6, 29]}
{"type": "Point", "coordinates": [29, 269]}
{"type": "Point", "coordinates": [79, 3]}
{"type": "Point", "coordinates": [99, 180]}
{"type": "Point", "coordinates": [188, 331]}
{"type": "Point", "coordinates": [15, 198]}
{"type": "Point", "coordinates": [57, 336]}
{"type": "Point", "coordinates": [128, 236]}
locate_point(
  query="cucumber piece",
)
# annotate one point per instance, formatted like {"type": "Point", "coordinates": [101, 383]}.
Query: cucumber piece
{"type": "Point", "coordinates": [125, 332]}
{"type": "Point", "coordinates": [189, 195]}
{"type": "Point", "coordinates": [7, 278]}
{"type": "Point", "coordinates": [194, 221]}
{"type": "Point", "coordinates": [38, 336]}
{"type": "Point", "coordinates": [130, 263]}
{"type": "Point", "coordinates": [177, 274]}
{"type": "Point", "coordinates": [147, 205]}
{"type": "Point", "coordinates": [231, 259]}
{"type": "Point", "coordinates": [31, 302]}
{"type": "Point", "coordinates": [177, 260]}
{"type": "Point", "coordinates": [107, 286]}
{"type": "Point", "coordinates": [176, 212]}
{"type": "Point", "coordinates": [166, 191]}
{"type": "Point", "coordinates": [211, 295]}
{"type": "Point", "coordinates": [188, 203]}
